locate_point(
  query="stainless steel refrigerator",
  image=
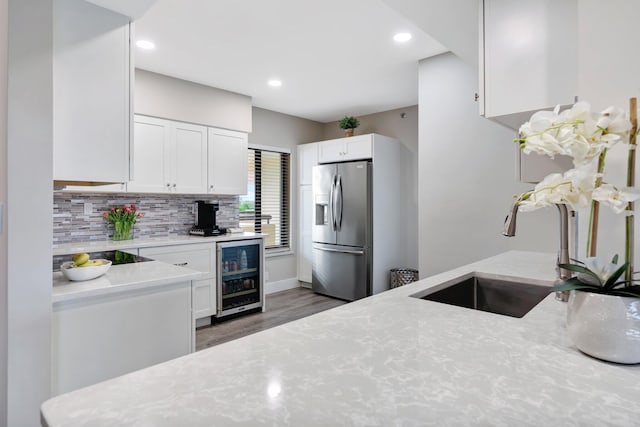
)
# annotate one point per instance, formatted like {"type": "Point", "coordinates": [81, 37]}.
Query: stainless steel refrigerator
{"type": "Point", "coordinates": [342, 230]}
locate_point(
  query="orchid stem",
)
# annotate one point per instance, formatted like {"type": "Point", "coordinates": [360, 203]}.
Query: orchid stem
{"type": "Point", "coordinates": [594, 215]}
{"type": "Point", "coordinates": [631, 180]}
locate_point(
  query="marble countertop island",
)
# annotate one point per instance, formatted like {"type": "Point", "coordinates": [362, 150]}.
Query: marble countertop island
{"type": "Point", "coordinates": [386, 360]}
{"type": "Point", "coordinates": [120, 278]}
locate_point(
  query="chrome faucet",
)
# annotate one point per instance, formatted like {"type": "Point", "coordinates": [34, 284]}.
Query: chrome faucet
{"type": "Point", "coordinates": [563, 253]}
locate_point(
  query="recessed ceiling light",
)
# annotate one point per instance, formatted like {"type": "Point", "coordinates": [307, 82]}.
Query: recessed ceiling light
{"type": "Point", "coordinates": [145, 44]}
{"type": "Point", "coordinates": [402, 37]}
{"type": "Point", "coordinates": [274, 83]}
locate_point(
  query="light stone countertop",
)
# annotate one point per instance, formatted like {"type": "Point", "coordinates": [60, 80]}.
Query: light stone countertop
{"type": "Point", "coordinates": [109, 245]}
{"type": "Point", "coordinates": [386, 360]}
{"type": "Point", "coordinates": [120, 278]}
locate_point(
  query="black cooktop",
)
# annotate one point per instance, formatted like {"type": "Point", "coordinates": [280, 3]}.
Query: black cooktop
{"type": "Point", "coordinates": [116, 257]}
{"type": "Point", "coordinates": [119, 257]}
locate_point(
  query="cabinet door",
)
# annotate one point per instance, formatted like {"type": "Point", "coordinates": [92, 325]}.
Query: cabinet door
{"type": "Point", "coordinates": [189, 158]}
{"type": "Point", "coordinates": [305, 243]}
{"type": "Point", "coordinates": [204, 298]}
{"type": "Point", "coordinates": [307, 159]}
{"type": "Point", "coordinates": [151, 155]}
{"type": "Point", "coordinates": [358, 148]}
{"type": "Point", "coordinates": [227, 154]}
{"type": "Point", "coordinates": [91, 80]}
{"type": "Point", "coordinates": [530, 55]}
{"type": "Point", "coordinates": [331, 151]}
{"type": "Point", "coordinates": [200, 257]}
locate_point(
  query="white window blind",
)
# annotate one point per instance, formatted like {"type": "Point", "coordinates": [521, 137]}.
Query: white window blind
{"type": "Point", "coordinates": [266, 207]}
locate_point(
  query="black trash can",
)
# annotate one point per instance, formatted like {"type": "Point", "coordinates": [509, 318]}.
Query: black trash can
{"type": "Point", "coordinates": [402, 276]}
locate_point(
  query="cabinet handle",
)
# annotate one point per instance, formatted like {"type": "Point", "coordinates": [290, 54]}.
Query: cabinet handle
{"type": "Point", "coordinates": [181, 264]}
{"type": "Point", "coordinates": [168, 185]}
{"type": "Point", "coordinates": [174, 185]}
{"type": "Point", "coordinates": [211, 187]}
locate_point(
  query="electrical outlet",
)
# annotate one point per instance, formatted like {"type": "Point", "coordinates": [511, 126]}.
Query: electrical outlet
{"type": "Point", "coordinates": [88, 208]}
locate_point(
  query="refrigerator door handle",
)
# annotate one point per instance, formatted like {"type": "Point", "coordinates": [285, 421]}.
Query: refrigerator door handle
{"type": "Point", "coordinates": [342, 251]}
{"type": "Point", "coordinates": [332, 213]}
{"type": "Point", "coordinates": [339, 199]}
{"type": "Point", "coordinates": [219, 281]}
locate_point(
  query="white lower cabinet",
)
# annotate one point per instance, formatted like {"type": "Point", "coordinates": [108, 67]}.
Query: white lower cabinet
{"type": "Point", "coordinates": [200, 257]}
{"type": "Point", "coordinates": [104, 337]}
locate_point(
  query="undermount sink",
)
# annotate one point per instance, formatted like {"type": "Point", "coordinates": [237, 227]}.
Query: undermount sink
{"type": "Point", "coordinates": [503, 297]}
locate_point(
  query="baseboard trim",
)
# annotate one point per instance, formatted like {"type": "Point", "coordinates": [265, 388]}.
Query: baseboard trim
{"type": "Point", "coordinates": [281, 285]}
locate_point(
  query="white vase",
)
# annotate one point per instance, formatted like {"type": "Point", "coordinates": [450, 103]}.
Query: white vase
{"type": "Point", "coordinates": [605, 326]}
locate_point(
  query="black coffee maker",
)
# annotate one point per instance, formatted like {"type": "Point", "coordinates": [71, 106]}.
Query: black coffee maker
{"type": "Point", "coordinates": [206, 219]}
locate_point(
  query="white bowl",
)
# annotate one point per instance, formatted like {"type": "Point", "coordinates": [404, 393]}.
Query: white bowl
{"type": "Point", "coordinates": [84, 273]}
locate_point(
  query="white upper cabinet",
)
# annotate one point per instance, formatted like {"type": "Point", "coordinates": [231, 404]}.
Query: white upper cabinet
{"type": "Point", "coordinates": [168, 156]}
{"type": "Point", "coordinates": [151, 148]}
{"type": "Point", "coordinates": [528, 57]}
{"type": "Point", "coordinates": [227, 162]}
{"type": "Point", "coordinates": [346, 149]}
{"type": "Point", "coordinates": [307, 159]}
{"type": "Point", "coordinates": [91, 93]}
{"type": "Point", "coordinates": [189, 158]}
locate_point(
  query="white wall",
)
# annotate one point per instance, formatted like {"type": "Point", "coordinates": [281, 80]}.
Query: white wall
{"type": "Point", "coordinates": [392, 123]}
{"type": "Point", "coordinates": [29, 202]}
{"type": "Point", "coordinates": [281, 130]}
{"type": "Point", "coordinates": [454, 23]}
{"type": "Point", "coordinates": [605, 79]}
{"type": "Point", "coordinates": [175, 99]}
{"type": "Point", "coordinates": [4, 12]}
{"type": "Point", "coordinates": [466, 175]}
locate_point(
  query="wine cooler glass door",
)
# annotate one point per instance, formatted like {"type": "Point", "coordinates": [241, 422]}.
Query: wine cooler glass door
{"type": "Point", "coordinates": [240, 277]}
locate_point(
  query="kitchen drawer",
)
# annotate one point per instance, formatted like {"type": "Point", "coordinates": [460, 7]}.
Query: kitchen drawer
{"type": "Point", "coordinates": [201, 257]}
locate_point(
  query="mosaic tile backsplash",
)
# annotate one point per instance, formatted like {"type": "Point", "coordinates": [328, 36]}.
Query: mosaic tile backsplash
{"type": "Point", "coordinates": [164, 215]}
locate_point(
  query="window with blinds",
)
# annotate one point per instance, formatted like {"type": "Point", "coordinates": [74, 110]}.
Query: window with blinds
{"type": "Point", "coordinates": [266, 206]}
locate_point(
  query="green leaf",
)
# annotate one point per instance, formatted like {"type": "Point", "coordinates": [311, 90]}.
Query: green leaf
{"type": "Point", "coordinates": [580, 269]}
{"type": "Point", "coordinates": [614, 260]}
{"type": "Point", "coordinates": [611, 281]}
{"type": "Point", "coordinates": [571, 285]}
{"type": "Point", "coordinates": [576, 261]}
{"type": "Point", "coordinates": [626, 293]}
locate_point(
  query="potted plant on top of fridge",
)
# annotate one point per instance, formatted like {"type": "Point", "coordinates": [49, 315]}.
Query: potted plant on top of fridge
{"type": "Point", "coordinates": [603, 312]}
{"type": "Point", "coordinates": [348, 123]}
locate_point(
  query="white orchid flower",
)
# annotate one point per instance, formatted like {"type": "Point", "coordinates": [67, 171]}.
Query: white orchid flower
{"type": "Point", "coordinates": [611, 196]}
{"type": "Point", "coordinates": [615, 121]}
{"type": "Point", "coordinates": [574, 188]}
{"type": "Point", "coordinates": [598, 267]}
{"type": "Point", "coordinates": [575, 132]}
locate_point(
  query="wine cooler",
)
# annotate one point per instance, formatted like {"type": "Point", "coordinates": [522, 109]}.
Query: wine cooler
{"type": "Point", "coordinates": [240, 278]}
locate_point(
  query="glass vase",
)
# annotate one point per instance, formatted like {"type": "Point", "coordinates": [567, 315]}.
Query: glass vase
{"type": "Point", "coordinates": [122, 231]}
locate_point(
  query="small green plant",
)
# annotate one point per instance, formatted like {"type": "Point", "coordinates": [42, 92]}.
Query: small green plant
{"type": "Point", "coordinates": [600, 280]}
{"type": "Point", "coordinates": [348, 122]}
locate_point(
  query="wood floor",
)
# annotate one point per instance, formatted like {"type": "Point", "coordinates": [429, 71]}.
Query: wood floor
{"type": "Point", "coordinates": [282, 307]}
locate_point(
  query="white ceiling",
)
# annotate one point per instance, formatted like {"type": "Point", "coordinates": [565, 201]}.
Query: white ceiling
{"type": "Point", "coordinates": [335, 57]}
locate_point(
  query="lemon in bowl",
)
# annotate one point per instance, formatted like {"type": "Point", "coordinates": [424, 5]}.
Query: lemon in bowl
{"type": "Point", "coordinates": [86, 270]}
